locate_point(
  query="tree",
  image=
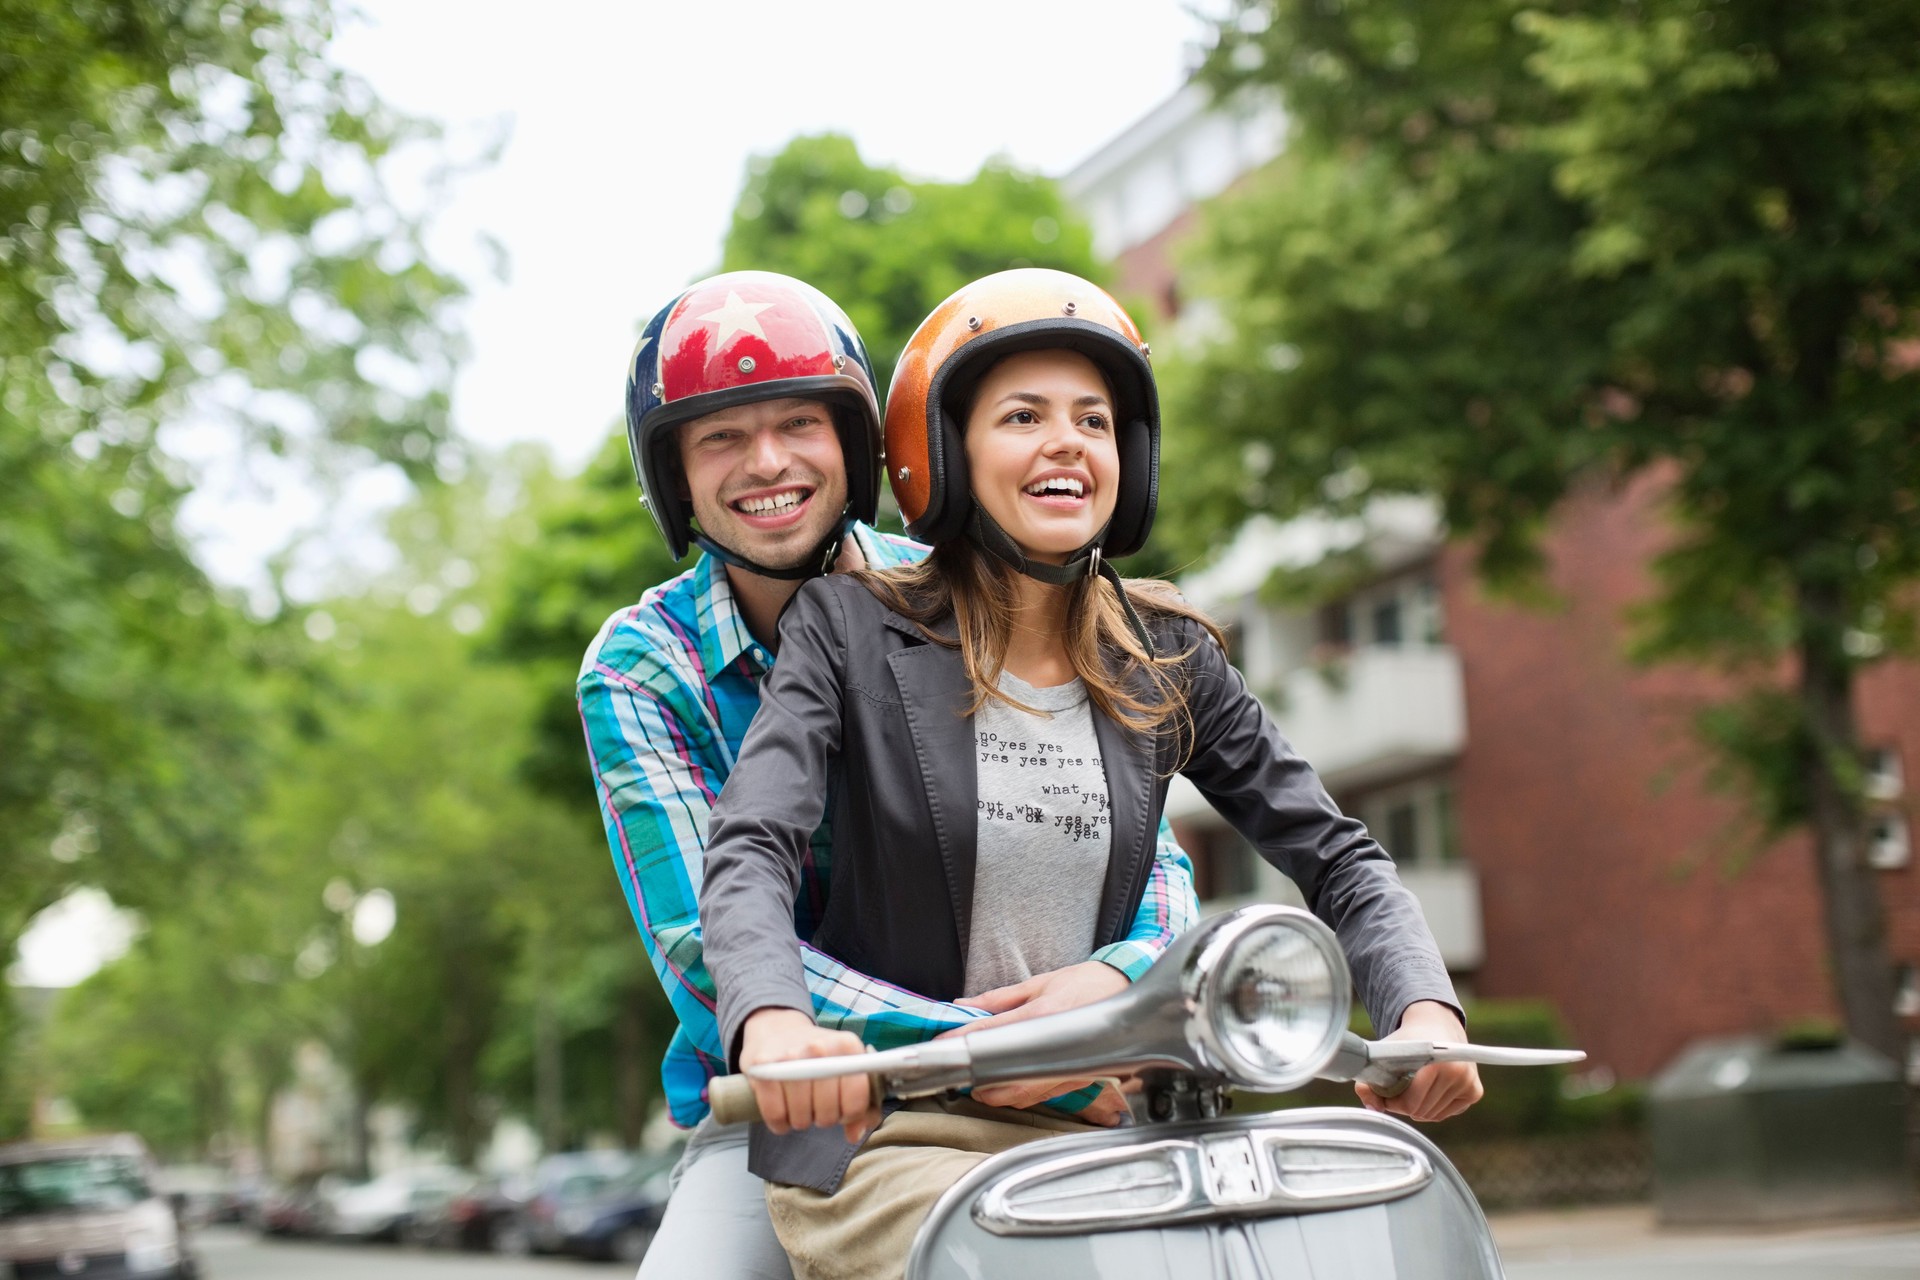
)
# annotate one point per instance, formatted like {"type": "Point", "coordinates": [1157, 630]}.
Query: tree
{"type": "Point", "coordinates": [1512, 246]}
{"type": "Point", "coordinates": [194, 234]}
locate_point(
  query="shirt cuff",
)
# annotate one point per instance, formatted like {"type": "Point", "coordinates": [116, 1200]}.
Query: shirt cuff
{"type": "Point", "coordinates": [1130, 958]}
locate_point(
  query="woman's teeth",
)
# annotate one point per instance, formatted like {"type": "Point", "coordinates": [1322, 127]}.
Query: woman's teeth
{"type": "Point", "coordinates": [772, 505]}
{"type": "Point", "coordinates": [1058, 487]}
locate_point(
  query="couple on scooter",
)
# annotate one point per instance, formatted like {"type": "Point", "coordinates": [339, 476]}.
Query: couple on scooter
{"type": "Point", "coordinates": [986, 729]}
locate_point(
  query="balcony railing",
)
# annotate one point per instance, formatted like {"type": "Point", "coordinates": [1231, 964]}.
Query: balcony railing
{"type": "Point", "coordinates": [1378, 713]}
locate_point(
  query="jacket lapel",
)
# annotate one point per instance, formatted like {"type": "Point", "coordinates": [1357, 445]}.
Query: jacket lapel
{"type": "Point", "coordinates": [1130, 777]}
{"type": "Point", "coordinates": [935, 690]}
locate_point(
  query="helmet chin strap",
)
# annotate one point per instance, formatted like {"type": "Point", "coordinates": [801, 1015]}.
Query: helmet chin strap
{"type": "Point", "coordinates": [985, 532]}
{"type": "Point", "coordinates": [816, 565]}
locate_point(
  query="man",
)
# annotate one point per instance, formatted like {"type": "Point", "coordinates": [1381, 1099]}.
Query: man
{"type": "Point", "coordinates": [755, 431]}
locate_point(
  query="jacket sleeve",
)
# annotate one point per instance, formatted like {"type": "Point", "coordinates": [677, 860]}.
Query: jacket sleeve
{"type": "Point", "coordinates": [758, 834]}
{"type": "Point", "coordinates": [1256, 780]}
{"type": "Point", "coordinates": [1168, 908]}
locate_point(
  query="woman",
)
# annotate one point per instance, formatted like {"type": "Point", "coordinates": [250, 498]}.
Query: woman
{"type": "Point", "coordinates": [995, 729]}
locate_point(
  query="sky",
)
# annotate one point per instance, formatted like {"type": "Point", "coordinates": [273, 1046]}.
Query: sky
{"type": "Point", "coordinates": [627, 127]}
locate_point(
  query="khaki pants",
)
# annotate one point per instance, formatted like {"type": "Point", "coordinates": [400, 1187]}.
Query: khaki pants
{"type": "Point", "coordinates": [863, 1230]}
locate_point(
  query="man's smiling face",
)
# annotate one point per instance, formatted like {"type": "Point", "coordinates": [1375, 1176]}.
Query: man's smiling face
{"type": "Point", "coordinates": [767, 480]}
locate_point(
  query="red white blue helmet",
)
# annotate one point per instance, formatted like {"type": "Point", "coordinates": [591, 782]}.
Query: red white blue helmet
{"type": "Point", "coordinates": [733, 339]}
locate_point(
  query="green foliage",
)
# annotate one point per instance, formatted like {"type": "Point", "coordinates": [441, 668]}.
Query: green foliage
{"type": "Point", "coordinates": [1508, 247]}
{"type": "Point", "coordinates": [889, 249]}
{"type": "Point", "coordinates": [191, 223]}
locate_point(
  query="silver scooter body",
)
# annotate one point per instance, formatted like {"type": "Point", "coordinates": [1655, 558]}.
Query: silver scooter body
{"type": "Point", "coordinates": [1192, 1193]}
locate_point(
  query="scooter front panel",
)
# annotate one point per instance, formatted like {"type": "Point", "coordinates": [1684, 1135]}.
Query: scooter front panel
{"type": "Point", "coordinates": [1254, 1198]}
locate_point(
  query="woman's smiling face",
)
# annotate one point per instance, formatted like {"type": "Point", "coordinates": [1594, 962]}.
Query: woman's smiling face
{"type": "Point", "coordinates": [1041, 453]}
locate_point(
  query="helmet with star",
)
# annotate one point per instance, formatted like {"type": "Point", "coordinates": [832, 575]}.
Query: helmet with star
{"type": "Point", "coordinates": [734, 339]}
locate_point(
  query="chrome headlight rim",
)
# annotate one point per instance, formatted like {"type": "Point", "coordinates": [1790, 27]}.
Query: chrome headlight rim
{"type": "Point", "coordinates": [1209, 976]}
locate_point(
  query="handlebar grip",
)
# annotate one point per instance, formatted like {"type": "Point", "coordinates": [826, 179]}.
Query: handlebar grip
{"type": "Point", "coordinates": [1385, 1082]}
{"type": "Point", "coordinates": [732, 1100]}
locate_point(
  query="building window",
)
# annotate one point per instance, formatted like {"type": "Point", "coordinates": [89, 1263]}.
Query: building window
{"type": "Point", "coordinates": [1888, 846]}
{"type": "Point", "coordinates": [1392, 614]}
{"type": "Point", "coordinates": [1885, 778]}
{"type": "Point", "coordinates": [1414, 822]}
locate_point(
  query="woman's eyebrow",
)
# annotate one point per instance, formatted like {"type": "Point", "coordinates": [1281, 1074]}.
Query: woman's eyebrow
{"type": "Point", "coordinates": [1036, 398]}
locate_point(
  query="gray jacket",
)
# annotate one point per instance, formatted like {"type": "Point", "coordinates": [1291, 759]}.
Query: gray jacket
{"type": "Point", "coordinates": [864, 719]}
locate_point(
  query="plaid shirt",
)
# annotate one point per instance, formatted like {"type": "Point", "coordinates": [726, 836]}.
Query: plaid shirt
{"type": "Point", "coordinates": [666, 694]}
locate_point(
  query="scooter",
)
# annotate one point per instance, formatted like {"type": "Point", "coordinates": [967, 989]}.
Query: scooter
{"type": "Point", "coordinates": [1255, 999]}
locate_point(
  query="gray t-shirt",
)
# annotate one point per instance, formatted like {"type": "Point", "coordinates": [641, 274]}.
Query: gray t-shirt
{"type": "Point", "coordinates": [1043, 834]}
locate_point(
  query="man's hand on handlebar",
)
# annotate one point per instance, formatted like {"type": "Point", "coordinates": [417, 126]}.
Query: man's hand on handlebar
{"type": "Point", "coordinates": [1439, 1091]}
{"type": "Point", "coordinates": [1045, 993]}
{"type": "Point", "coordinates": [777, 1035]}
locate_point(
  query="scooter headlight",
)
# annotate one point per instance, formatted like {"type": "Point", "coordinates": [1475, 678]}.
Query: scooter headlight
{"type": "Point", "coordinates": [1272, 995]}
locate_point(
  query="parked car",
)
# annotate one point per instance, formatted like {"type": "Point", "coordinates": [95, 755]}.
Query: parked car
{"type": "Point", "coordinates": [382, 1208]}
{"type": "Point", "coordinates": [471, 1218]}
{"type": "Point", "coordinates": [559, 1182]}
{"type": "Point", "coordinates": [303, 1207]}
{"type": "Point", "coordinates": [86, 1206]}
{"type": "Point", "coordinates": [619, 1220]}
{"type": "Point", "coordinates": [204, 1194]}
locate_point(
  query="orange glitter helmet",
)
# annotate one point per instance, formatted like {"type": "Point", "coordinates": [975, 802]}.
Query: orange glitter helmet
{"type": "Point", "coordinates": [1029, 309]}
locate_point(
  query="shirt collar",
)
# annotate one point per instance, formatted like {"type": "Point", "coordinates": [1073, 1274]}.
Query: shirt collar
{"type": "Point", "coordinates": [723, 632]}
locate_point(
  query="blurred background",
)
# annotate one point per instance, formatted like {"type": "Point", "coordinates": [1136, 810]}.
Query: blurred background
{"type": "Point", "coordinates": [1540, 420]}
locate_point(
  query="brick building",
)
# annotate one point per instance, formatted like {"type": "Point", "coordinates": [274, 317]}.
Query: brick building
{"type": "Point", "coordinates": [1545, 797]}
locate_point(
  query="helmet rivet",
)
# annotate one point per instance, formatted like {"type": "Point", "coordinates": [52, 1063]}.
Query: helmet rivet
{"type": "Point", "coordinates": [902, 474]}
{"type": "Point", "coordinates": [1146, 348]}
{"type": "Point", "coordinates": [659, 392]}
{"type": "Point", "coordinates": [973, 322]}
{"type": "Point", "coordinates": [644, 502]}
{"type": "Point", "coordinates": [746, 364]}
{"type": "Point", "coordinates": [1072, 307]}
{"type": "Point", "coordinates": [839, 363]}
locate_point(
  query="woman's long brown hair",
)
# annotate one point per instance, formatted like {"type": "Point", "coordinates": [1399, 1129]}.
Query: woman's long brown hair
{"type": "Point", "coordinates": [980, 593]}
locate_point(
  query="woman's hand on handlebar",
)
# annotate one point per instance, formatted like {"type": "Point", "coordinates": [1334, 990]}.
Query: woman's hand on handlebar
{"type": "Point", "coordinates": [1441, 1090]}
{"type": "Point", "coordinates": [777, 1035]}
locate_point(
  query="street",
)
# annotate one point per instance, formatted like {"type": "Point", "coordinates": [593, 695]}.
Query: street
{"type": "Point", "coordinates": [1616, 1243]}
{"type": "Point", "coordinates": [1581, 1244]}
{"type": "Point", "coordinates": [230, 1253]}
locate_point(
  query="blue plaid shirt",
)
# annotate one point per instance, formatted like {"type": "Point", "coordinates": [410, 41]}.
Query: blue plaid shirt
{"type": "Point", "coordinates": [666, 692]}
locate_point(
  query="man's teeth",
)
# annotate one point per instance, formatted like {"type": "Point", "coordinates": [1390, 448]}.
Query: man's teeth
{"type": "Point", "coordinates": [1064, 485]}
{"type": "Point", "coordinates": [774, 504]}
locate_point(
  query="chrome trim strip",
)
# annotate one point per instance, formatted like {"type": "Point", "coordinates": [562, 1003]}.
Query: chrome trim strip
{"type": "Point", "coordinates": [1198, 1187]}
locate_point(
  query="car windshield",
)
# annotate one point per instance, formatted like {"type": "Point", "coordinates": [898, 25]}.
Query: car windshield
{"type": "Point", "coordinates": [71, 1183]}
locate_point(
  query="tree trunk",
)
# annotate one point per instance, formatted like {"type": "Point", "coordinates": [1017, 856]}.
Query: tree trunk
{"type": "Point", "coordinates": [362, 1134]}
{"type": "Point", "coordinates": [549, 1102]}
{"type": "Point", "coordinates": [1856, 929]}
{"type": "Point", "coordinates": [463, 1125]}
{"type": "Point", "coordinates": [629, 1065]}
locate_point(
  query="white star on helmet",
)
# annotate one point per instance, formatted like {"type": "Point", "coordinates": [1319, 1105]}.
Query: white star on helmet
{"type": "Point", "coordinates": [737, 317]}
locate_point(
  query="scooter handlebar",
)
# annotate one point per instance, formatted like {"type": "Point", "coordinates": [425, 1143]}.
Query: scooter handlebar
{"type": "Point", "coordinates": [732, 1100]}
{"type": "Point", "coordinates": [1388, 1066]}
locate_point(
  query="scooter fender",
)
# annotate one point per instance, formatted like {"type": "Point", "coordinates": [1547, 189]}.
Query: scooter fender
{"type": "Point", "coordinates": [1332, 1193]}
